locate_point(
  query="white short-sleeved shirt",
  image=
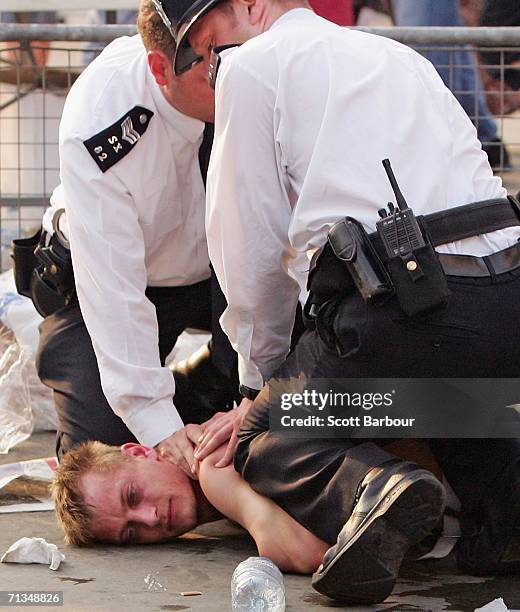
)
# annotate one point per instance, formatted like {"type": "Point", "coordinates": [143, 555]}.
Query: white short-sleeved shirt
{"type": "Point", "coordinates": [305, 114]}
{"type": "Point", "coordinates": [138, 223]}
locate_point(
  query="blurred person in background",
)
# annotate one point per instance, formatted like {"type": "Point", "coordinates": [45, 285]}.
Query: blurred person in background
{"type": "Point", "coordinates": [457, 69]}
{"type": "Point", "coordinates": [504, 96]}
{"type": "Point", "coordinates": [373, 13]}
{"type": "Point", "coordinates": [337, 11]}
{"type": "Point", "coordinates": [38, 50]}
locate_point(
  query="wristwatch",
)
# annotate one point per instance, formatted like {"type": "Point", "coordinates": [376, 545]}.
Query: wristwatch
{"type": "Point", "coordinates": [248, 392]}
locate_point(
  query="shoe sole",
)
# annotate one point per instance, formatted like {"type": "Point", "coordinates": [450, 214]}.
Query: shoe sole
{"type": "Point", "coordinates": [365, 569]}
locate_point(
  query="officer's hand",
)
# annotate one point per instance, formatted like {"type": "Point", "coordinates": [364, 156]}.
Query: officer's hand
{"type": "Point", "coordinates": [221, 430]}
{"type": "Point", "coordinates": [179, 448]}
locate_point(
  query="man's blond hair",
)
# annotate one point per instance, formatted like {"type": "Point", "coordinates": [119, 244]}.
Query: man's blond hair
{"type": "Point", "coordinates": [154, 33]}
{"type": "Point", "coordinates": [73, 513]}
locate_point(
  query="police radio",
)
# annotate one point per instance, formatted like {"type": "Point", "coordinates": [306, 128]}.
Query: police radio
{"type": "Point", "coordinates": [411, 261]}
{"type": "Point", "coordinates": [398, 228]}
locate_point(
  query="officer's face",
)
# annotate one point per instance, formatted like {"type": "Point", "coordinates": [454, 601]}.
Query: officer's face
{"type": "Point", "coordinates": [147, 499]}
{"type": "Point", "coordinates": [190, 92]}
{"type": "Point", "coordinates": [221, 27]}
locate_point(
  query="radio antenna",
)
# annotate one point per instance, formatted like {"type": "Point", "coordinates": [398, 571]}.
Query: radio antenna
{"type": "Point", "coordinates": [399, 197]}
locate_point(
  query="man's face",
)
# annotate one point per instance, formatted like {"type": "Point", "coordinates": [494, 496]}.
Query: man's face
{"type": "Point", "coordinates": [221, 27]}
{"type": "Point", "coordinates": [146, 499]}
{"type": "Point", "coordinates": [191, 93]}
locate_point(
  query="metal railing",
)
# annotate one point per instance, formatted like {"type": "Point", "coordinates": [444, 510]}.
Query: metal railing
{"type": "Point", "coordinates": [479, 37]}
{"type": "Point", "coordinates": [60, 5]}
{"type": "Point", "coordinates": [36, 76]}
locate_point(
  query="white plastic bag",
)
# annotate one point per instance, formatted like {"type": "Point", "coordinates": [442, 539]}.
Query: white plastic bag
{"type": "Point", "coordinates": [16, 419]}
{"type": "Point", "coordinates": [25, 403]}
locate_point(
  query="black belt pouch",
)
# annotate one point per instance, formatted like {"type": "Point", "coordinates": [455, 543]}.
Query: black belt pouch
{"type": "Point", "coordinates": [419, 281]}
{"type": "Point", "coordinates": [25, 262]}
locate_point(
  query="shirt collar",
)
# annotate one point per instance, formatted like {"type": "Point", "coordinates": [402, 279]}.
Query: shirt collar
{"type": "Point", "coordinates": [189, 128]}
{"type": "Point", "coordinates": [292, 14]}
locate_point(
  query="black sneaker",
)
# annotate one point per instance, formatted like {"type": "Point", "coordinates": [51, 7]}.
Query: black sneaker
{"type": "Point", "coordinates": [398, 505]}
{"type": "Point", "coordinates": [201, 389]}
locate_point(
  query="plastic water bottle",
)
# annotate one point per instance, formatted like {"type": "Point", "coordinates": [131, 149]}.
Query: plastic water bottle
{"type": "Point", "coordinates": [257, 586]}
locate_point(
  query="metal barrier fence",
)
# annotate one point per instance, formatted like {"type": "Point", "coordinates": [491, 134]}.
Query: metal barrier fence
{"type": "Point", "coordinates": [35, 78]}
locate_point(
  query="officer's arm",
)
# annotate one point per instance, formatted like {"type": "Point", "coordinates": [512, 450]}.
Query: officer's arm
{"type": "Point", "coordinates": [248, 215]}
{"type": "Point", "coordinates": [108, 255]}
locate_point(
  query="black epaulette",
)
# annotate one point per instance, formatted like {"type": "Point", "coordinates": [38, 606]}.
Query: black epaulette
{"type": "Point", "coordinates": [111, 145]}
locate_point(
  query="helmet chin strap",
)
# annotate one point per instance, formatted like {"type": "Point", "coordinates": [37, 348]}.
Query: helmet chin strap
{"type": "Point", "coordinates": [215, 61]}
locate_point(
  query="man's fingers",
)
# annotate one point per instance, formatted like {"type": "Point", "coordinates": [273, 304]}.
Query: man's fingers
{"type": "Point", "coordinates": [232, 445]}
{"type": "Point", "coordinates": [210, 424]}
{"type": "Point", "coordinates": [209, 430]}
{"type": "Point", "coordinates": [215, 417]}
{"type": "Point", "coordinates": [214, 424]}
{"type": "Point", "coordinates": [211, 443]}
{"type": "Point", "coordinates": [170, 453]}
{"type": "Point", "coordinates": [230, 452]}
{"type": "Point", "coordinates": [188, 470]}
{"type": "Point", "coordinates": [188, 463]}
{"type": "Point", "coordinates": [179, 449]}
{"type": "Point", "coordinates": [193, 433]}
{"type": "Point", "coordinates": [187, 449]}
{"type": "Point", "coordinates": [195, 469]}
{"type": "Point", "coordinates": [216, 430]}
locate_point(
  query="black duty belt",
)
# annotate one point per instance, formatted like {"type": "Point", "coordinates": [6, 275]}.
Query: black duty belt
{"type": "Point", "coordinates": [466, 221]}
{"type": "Point", "coordinates": [490, 265]}
{"type": "Point", "coordinates": [336, 269]}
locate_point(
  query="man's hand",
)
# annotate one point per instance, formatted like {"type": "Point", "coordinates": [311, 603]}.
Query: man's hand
{"type": "Point", "coordinates": [179, 448]}
{"type": "Point", "coordinates": [221, 429]}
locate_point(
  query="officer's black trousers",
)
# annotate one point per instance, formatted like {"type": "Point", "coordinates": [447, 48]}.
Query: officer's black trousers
{"type": "Point", "coordinates": [67, 364]}
{"type": "Point", "coordinates": [315, 480]}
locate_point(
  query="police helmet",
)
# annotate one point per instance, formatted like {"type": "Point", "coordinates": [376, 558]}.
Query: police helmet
{"type": "Point", "coordinates": [179, 17]}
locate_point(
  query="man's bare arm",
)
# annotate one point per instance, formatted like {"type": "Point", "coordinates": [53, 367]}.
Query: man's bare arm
{"type": "Point", "coordinates": [277, 535]}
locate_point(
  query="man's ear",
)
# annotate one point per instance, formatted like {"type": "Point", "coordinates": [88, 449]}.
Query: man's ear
{"type": "Point", "coordinates": [132, 449]}
{"type": "Point", "coordinates": [255, 9]}
{"type": "Point", "coordinates": [160, 66]}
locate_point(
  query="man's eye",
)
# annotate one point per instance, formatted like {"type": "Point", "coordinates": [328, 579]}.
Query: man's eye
{"type": "Point", "coordinates": [132, 496]}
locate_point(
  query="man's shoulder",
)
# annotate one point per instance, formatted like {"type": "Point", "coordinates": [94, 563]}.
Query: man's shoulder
{"type": "Point", "coordinates": [291, 36]}
{"type": "Point", "coordinates": [110, 107]}
{"type": "Point", "coordinates": [110, 87]}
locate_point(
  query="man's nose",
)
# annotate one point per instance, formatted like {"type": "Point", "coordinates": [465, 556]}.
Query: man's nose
{"type": "Point", "coordinates": [145, 514]}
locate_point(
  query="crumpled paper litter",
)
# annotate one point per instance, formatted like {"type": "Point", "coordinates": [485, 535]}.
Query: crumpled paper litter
{"type": "Point", "coordinates": [497, 605]}
{"type": "Point", "coordinates": [33, 550]}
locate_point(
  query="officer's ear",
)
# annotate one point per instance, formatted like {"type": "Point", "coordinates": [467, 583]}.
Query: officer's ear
{"type": "Point", "coordinates": [160, 66]}
{"type": "Point", "coordinates": [255, 10]}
